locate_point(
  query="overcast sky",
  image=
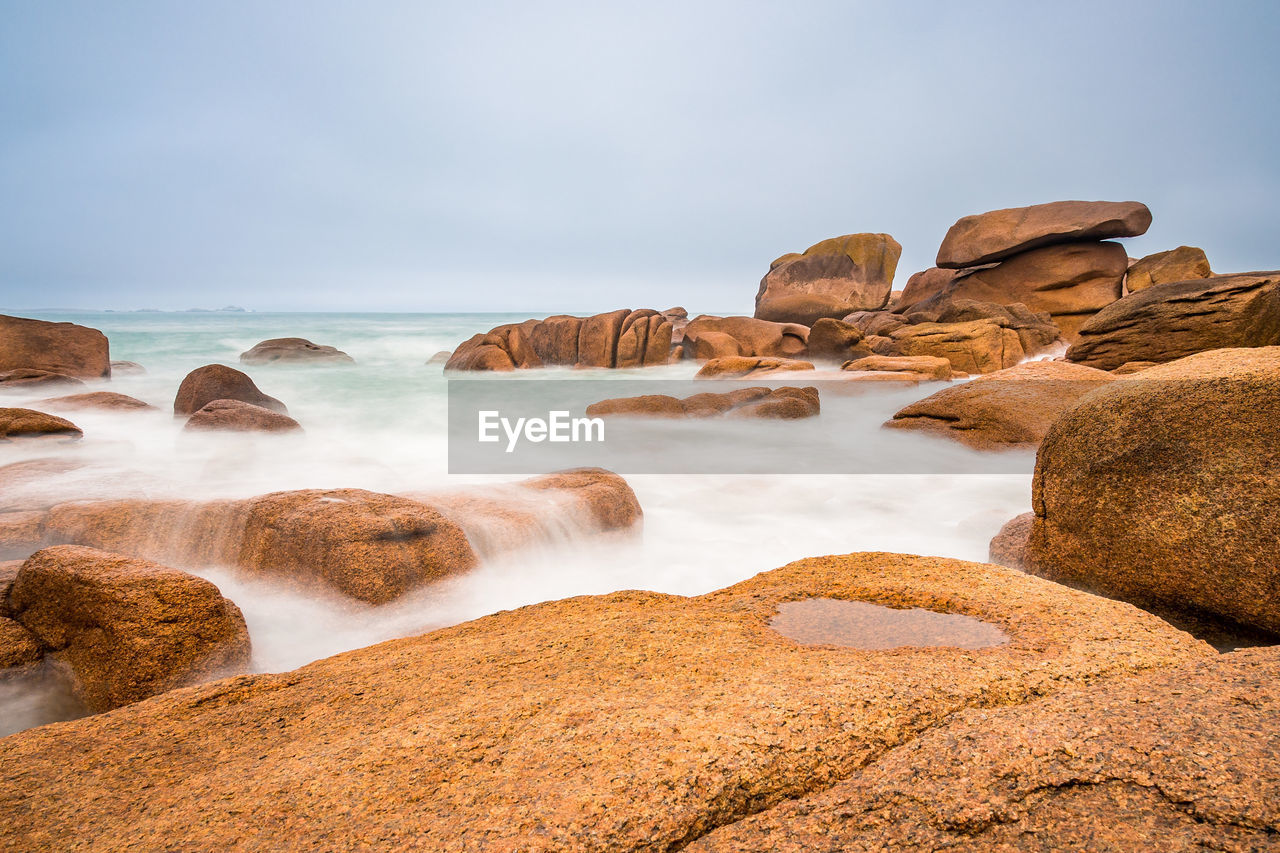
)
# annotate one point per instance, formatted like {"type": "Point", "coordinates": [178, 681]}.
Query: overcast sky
{"type": "Point", "coordinates": [586, 156]}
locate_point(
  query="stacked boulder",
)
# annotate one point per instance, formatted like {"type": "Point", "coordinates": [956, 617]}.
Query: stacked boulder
{"type": "Point", "coordinates": [829, 279]}
{"type": "Point", "coordinates": [1054, 258]}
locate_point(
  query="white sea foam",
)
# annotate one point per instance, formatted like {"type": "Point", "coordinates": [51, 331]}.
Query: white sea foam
{"type": "Point", "coordinates": [381, 425]}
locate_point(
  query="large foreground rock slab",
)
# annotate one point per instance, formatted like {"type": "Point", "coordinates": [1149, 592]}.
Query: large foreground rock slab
{"type": "Point", "coordinates": [54, 347]}
{"type": "Point", "coordinates": [830, 279]}
{"type": "Point", "coordinates": [999, 234]}
{"type": "Point", "coordinates": [1162, 488]}
{"type": "Point", "coordinates": [1168, 321]}
{"type": "Point", "coordinates": [620, 722]}
{"type": "Point", "coordinates": [1009, 408]}
{"type": "Point", "coordinates": [127, 628]}
{"type": "Point", "coordinates": [1180, 759]}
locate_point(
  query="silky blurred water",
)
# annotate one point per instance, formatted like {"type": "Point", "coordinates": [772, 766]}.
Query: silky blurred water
{"type": "Point", "coordinates": [381, 424]}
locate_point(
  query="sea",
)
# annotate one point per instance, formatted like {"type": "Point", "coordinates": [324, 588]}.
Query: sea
{"type": "Point", "coordinates": [382, 424]}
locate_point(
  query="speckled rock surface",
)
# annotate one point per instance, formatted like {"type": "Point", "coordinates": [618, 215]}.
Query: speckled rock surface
{"type": "Point", "coordinates": [1179, 759]}
{"type": "Point", "coordinates": [1009, 408]}
{"type": "Point", "coordinates": [1161, 488]}
{"type": "Point", "coordinates": [127, 628]}
{"type": "Point", "coordinates": [628, 721]}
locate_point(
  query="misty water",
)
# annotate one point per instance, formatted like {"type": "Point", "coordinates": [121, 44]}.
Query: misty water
{"type": "Point", "coordinates": [382, 425]}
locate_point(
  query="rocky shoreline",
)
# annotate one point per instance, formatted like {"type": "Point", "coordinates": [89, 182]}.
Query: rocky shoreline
{"type": "Point", "coordinates": [1119, 711]}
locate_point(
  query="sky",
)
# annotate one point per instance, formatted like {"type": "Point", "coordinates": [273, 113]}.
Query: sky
{"type": "Point", "coordinates": [546, 156]}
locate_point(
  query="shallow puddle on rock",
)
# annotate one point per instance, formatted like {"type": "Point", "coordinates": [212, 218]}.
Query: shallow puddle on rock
{"type": "Point", "coordinates": [862, 625]}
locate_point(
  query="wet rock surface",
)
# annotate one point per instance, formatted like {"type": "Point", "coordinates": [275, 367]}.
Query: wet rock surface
{"type": "Point", "coordinates": [677, 716]}
{"type": "Point", "coordinates": [27, 424]}
{"type": "Point", "coordinates": [126, 628]}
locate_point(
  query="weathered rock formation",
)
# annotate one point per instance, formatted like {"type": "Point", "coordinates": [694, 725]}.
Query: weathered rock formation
{"type": "Point", "coordinates": [976, 337]}
{"type": "Point", "coordinates": [54, 347]}
{"type": "Point", "coordinates": [622, 338]}
{"type": "Point", "coordinates": [830, 279]}
{"type": "Point", "coordinates": [293, 351]}
{"type": "Point", "coordinates": [1013, 407]}
{"type": "Point", "coordinates": [634, 720]}
{"type": "Point", "coordinates": [1161, 489]}
{"type": "Point", "coordinates": [707, 337]}
{"type": "Point", "coordinates": [836, 340]}
{"type": "Point", "coordinates": [1181, 264]}
{"type": "Point", "coordinates": [1000, 234]}
{"type": "Point", "coordinates": [1168, 321]}
{"type": "Point", "coordinates": [219, 382]}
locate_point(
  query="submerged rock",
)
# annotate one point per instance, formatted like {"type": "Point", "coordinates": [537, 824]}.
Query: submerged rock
{"type": "Point", "coordinates": [633, 720]}
{"type": "Point", "coordinates": [64, 348]}
{"type": "Point", "coordinates": [1009, 408]}
{"type": "Point", "coordinates": [219, 382]}
{"type": "Point", "coordinates": [235, 416]}
{"type": "Point", "coordinates": [749, 367]}
{"type": "Point", "coordinates": [126, 628]}
{"type": "Point", "coordinates": [1177, 759]}
{"type": "Point", "coordinates": [293, 351]}
{"type": "Point", "coordinates": [109, 400]}
{"type": "Point", "coordinates": [786, 403]}
{"type": "Point", "coordinates": [1161, 489]}
{"type": "Point", "coordinates": [30, 424]}
{"type": "Point", "coordinates": [23, 378]}
{"type": "Point", "coordinates": [371, 546]}
{"type": "Point", "coordinates": [127, 368]}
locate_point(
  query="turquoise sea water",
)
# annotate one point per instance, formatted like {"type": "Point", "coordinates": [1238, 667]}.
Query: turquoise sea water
{"type": "Point", "coordinates": [381, 425]}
